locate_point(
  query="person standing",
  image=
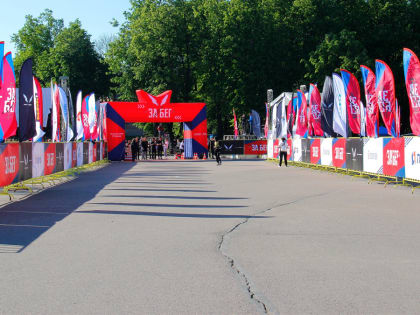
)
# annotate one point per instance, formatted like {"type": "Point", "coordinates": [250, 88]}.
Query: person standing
{"type": "Point", "coordinates": [159, 147]}
{"type": "Point", "coordinates": [134, 149]}
{"type": "Point", "coordinates": [211, 147]}
{"type": "Point", "coordinates": [138, 148]}
{"type": "Point", "coordinates": [181, 146]}
{"type": "Point", "coordinates": [165, 147]}
{"type": "Point", "coordinates": [217, 150]}
{"type": "Point", "coordinates": [283, 146]}
{"type": "Point", "coordinates": [144, 146]}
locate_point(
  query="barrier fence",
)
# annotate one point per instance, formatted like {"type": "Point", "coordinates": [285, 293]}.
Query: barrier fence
{"type": "Point", "coordinates": [243, 147]}
{"type": "Point", "coordinates": [395, 157]}
{"type": "Point", "coordinates": [26, 160]}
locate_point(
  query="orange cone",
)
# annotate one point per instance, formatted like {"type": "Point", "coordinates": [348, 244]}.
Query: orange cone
{"type": "Point", "coordinates": [182, 156]}
{"type": "Point", "coordinates": [204, 157]}
{"type": "Point", "coordinates": [195, 156]}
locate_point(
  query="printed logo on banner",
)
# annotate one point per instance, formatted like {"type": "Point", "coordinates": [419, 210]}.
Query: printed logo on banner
{"type": "Point", "coordinates": [339, 153]}
{"type": "Point", "coordinates": [25, 160]}
{"type": "Point", "coordinates": [86, 153]}
{"type": "Point", "coordinates": [326, 151]}
{"type": "Point", "coordinates": [297, 150]}
{"type": "Point", "coordinates": [49, 158]}
{"type": "Point", "coordinates": [393, 157]}
{"type": "Point", "coordinates": [354, 152]}
{"type": "Point", "coordinates": [74, 154]}
{"type": "Point", "coordinates": [59, 157]}
{"type": "Point", "coordinates": [372, 155]}
{"type": "Point", "coordinates": [79, 153]}
{"type": "Point", "coordinates": [276, 150]}
{"type": "Point", "coordinates": [412, 157]}
{"type": "Point", "coordinates": [232, 147]}
{"type": "Point", "coordinates": [67, 155]}
{"type": "Point", "coordinates": [315, 147]}
{"type": "Point", "coordinates": [306, 150]}
{"type": "Point", "coordinates": [257, 147]}
{"type": "Point", "coordinates": [37, 159]}
{"type": "Point", "coordinates": [9, 163]}
{"type": "Point", "coordinates": [289, 149]}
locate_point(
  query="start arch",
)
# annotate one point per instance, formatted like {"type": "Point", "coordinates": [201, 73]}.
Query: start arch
{"type": "Point", "coordinates": [151, 108]}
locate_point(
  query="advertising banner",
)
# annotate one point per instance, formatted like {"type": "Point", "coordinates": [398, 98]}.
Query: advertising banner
{"type": "Point", "coordinates": [289, 150]}
{"type": "Point", "coordinates": [37, 159]}
{"type": "Point", "coordinates": [232, 147]}
{"type": "Point", "coordinates": [339, 152]}
{"type": "Point", "coordinates": [354, 154]}
{"type": "Point", "coordinates": [270, 148]}
{"type": "Point", "coordinates": [59, 157]}
{"type": "Point", "coordinates": [255, 147]}
{"type": "Point", "coordinates": [68, 156]}
{"type": "Point", "coordinates": [306, 150]}
{"type": "Point", "coordinates": [412, 157]}
{"type": "Point", "coordinates": [25, 160]}
{"type": "Point", "coordinates": [90, 157]}
{"type": "Point", "coordinates": [297, 150]}
{"type": "Point", "coordinates": [393, 157]}
{"type": "Point", "coordinates": [74, 154]}
{"type": "Point", "coordinates": [101, 150]}
{"type": "Point", "coordinates": [49, 158]}
{"type": "Point", "coordinates": [80, 155]}
{"type": "Point", "coordinates": [326, 151]}
{"type": "Point", "coordinates": [373, 150]}
{"type": "Point", "coordinates": [315, 151]}
{"type": "Point", "coordinates": [9, 163]}
{"type": "Point", "coordinates": [86, 153]}
{"type": "Point", "coordinates": [97, 151]}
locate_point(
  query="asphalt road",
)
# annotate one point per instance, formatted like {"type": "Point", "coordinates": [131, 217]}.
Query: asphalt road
{"type": "Point", "coordinates": [190, 237]}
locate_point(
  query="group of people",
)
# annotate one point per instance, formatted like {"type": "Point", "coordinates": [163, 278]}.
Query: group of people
{"type": "Point", "coordinates": [154, 148]}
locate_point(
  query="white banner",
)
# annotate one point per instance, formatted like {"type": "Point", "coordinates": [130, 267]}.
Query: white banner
{"type": "Point", "coordinates": [297, 150]}
{"type": "Point", "coordinates": [340, 110]}
{"type": "Point", "coordinates": [270, 148]}
{"type": "Point", "coordinates": [373, 150]}
{"type": "Point", "coordinates": [67, 155]}
{"type": "Point", "coordinates": [326, 151]}
{"type": "Point", "coordinates": [79, 153]}
{"type": "Point", "coordinates": [412, 157]}
{"type": "Point", "coordinates": [37, 159]}
{"type": "Point", "coordinates": [90, 152]}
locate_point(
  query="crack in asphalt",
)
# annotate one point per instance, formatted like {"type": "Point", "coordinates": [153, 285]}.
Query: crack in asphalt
{"type": "Point", "coordinates": [250, 288]}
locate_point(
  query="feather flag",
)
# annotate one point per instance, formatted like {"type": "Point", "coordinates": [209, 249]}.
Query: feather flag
{"type": "Point", "coordinates": [1, 61]}
{"type": "Point", "coordinates": [27, 127]}
{"type": "Point", "coordinates": [38, 110]}
{"type": "Point", "coordinates": [85, 117]}
{"type": "Point", "coordinates": [412, 83]}
{"type": "Point", "coordinates": [340, 108]}
{"type": "Point", "coordinates": [372, 111]}
{"type": "Point", "coordinates": [79, 124]}
{"type": "Point", "coordinates": [290, 115]}
{"type": "Point", "coordinates": [55, 115]}
{"type": "Point", "coordinates": [267, 117]}
{"type": "Point", "coordinates": [315, 110]}
{"type": "Point", "coordinates": [8, 123]}
{"type": "Point", "coordinates": [385, 92]}
{"type": "Point", "coordinates": [362, 120]}
{"type": "Point", "coordinates": [93, 118]}
{"type": "Point", "coordinates": [352, 89]}
{"type": "Point", "coordinates": [327, 107]}
{"type": "Point", "coordinates": [302, 116]}
{"type": "Point", "coordinates": [67, 131]}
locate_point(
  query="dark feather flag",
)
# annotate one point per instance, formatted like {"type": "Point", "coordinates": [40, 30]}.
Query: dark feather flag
{"type": "Point", "coordinates": [27, 128]}
{"type": "Point", "coordinates": [327, 106]}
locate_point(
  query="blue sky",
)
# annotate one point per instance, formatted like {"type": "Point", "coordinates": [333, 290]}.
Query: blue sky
{"type": "Point", "coordinates": [93, 14]}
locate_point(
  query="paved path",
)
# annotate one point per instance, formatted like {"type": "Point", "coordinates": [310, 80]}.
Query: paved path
{"type": "Point", "coordinates": [192, 237]}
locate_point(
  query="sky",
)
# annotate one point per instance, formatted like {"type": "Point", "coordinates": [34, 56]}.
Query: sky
{"type": "Point", "coordinates": [93, 14]}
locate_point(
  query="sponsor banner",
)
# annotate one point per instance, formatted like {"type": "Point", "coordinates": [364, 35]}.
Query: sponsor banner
{"type": "Point", "coordinates": [232, 147]}
{"type": "Point", "coordinates": [257, 147]}
{"type": "Point", "coordinates": [37, 159]}
{"type": "Point", "coordinates": [101, 150]}
{"type": "Point", "coordinates": [373, 150]}
{"type": "Point", "coordinates": [25, 161]}
{"type": "Point", "coordinates": [74, 154]}
{"type": "Point", "coordinates": [297, 150]}
{"type": "Point", "coordinates": [306, 150]}
{"type": "Point", "coordinates": [49, 158]}
{"type": "Point", "coordinates": [270, 148]}
{"type": "Point", "coordinates": [90, 157]}
{"type": "Point", "coordinates": [412, 157]}
{"type": "Point", "coordinates": [289, 150]}
{"type": "Point", "coordinates": [326, 151]}
{"type": "Point", "coordinates": [393, 157]}
{"type": "Point", "coordinates": [354, 152]}
{"type": "Point", "coordinates": [98, 151]}
{"type": "Point", "coordinates": [80, 155]}
{"type": "Point", "coordinates": [315, 151]}
{"type": "Point", "coordinates": [339, 152]}
{"type": "Point", "coordinates": [276, 149]}
{"type": "Point", "coordinates": [9, 163]}
{"type": "Point", "coordinates": [86, 152]}
{"type": "Point", "coordinates": [68, 155]}
{"type": "Point", "coordinates": [59, 157]}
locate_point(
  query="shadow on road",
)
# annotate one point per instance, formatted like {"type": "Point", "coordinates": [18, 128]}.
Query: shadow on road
{"type": "Point", "coordinates": [24, 221]}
